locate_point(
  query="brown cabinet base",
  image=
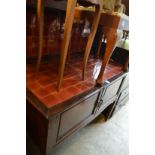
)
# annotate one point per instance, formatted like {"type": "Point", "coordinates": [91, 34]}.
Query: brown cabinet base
{"type": "Point", "coordinates": [51, 129]}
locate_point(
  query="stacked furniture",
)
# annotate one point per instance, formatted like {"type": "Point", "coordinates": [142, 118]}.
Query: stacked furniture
{"type": "Point", "coordinates": [52, 115]}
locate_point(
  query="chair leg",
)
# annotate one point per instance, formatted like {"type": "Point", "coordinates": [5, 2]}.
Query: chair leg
{"type": "Point", "coordinates": [111, 42]}
{"type": "Point", "coordinates": [97, 16]}
{"type": "Point", "coordinates": [40, 25]}
{"type": "Point", "coordinates": [67, 34]}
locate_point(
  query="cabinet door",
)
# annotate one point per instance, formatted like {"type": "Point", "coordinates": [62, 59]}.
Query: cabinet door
{"type": "Point", "coordinates": [71, 118]}
{"type": "Point", "coordinates": [111, 90]}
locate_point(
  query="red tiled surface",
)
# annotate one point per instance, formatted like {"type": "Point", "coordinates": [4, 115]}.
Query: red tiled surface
{"type": "Point", "coordinates": [53, 34]}
{"type": "Point", "coordinates": [43, 84]}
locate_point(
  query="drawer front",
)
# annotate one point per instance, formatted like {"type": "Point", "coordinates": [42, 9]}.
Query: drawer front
{"type": "Point", "coordinates": [72, 117]}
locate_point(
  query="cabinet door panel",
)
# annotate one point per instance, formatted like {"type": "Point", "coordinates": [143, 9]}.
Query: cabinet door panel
{"type": "Point", "coordinates": [112, 90]}
{"type": "Point", "coordinates": [72, 117]}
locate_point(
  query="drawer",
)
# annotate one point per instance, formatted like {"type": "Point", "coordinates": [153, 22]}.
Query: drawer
{"type": "Point", "coordinates": [74, 116]}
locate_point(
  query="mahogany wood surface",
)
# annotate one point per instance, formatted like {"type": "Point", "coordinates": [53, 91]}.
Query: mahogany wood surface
{"type": "Point", "coordinates": [41, 88]}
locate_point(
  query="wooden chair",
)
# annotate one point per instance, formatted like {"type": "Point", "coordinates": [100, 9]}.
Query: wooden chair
{"type": "Point", "coordinates": [67, 33]}
{"type": "Point", "coordinates": [71, 4]}
{"type": "Point", "coordinates": [109, 29]}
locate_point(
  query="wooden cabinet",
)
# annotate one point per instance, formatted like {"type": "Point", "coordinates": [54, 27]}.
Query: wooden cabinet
{"type": "Point", "coordinates": [50, 129]}
{"type": "Point", "coordinates": [53, 116]}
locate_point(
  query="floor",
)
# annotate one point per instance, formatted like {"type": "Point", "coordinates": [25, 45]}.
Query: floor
{"type": "Point", "coordinates": [97, 138]}
{"type": "Point", "coordinates": [43, 84]}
